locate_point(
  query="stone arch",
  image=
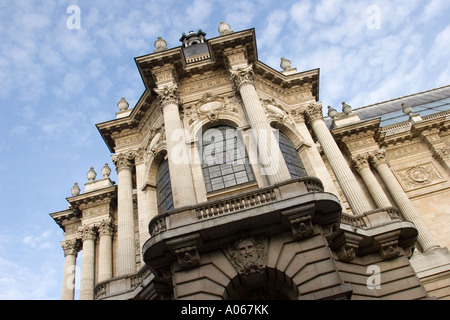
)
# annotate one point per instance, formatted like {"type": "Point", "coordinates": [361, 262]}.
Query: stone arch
{"type": "Point", "coordinates": [225, 118]}
{"type": "Point", "coordinates": [271, 284]}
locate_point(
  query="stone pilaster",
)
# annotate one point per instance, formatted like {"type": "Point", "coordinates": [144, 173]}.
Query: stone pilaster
{"type": "Point", "coordinates": [378, 160]}
{"type": "Point", "coordinates": [183, 191]}
{"type": "Point", "coordinates": [71, 248]}
{"type": "Point", "coordinates": [362, 166]}
{"type": "Point", "coordinates": [342, 171]}
{"type": "Point", "coordinates": [105, 231]}
{"type": "Point", "coordinates": [125, 217]}
{"type": "Point", "coordinates": [269, 154]}
{"type": "Point", "coordinates": [89, 235]}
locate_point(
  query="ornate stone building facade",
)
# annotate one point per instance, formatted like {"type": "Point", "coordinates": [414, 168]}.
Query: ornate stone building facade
{"type": "Point", "coordinates": [233, 185]}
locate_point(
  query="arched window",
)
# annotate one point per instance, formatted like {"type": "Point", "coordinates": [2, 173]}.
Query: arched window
{"type": "Point", "coordinates": [224, 159]}
{"type": "Point", "coordinates": [290, 154]}
{"type": "Point", "coordinates": [163, 188]}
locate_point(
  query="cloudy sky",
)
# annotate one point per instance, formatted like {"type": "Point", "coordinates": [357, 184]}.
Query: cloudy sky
{"type": "Point", "coordinates": [64, 65]}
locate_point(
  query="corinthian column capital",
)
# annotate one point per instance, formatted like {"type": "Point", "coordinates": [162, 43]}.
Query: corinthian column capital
{"type": "Point", "coordinates": [168, 95]}
{"type": "Point", "coordinates": [360, 161]}
{"type": "Point", "coordinates": [242, 75]}
{"type": "Point", "coordinates": [106, 227]}
{"type": "Point", "coordinates": [378, 157]}
{"type": "Point", "coordinates": [71, 247]}
{"type": "Point", "coordinates": [88, 232]}
{"type": "Point", "coordinates": [123, 161]}
{"type": "Point", "coordinates": [314, 111]}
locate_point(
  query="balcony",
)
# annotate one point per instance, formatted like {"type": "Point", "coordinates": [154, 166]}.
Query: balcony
{"type": "Point", "coordinates": [294, 205]}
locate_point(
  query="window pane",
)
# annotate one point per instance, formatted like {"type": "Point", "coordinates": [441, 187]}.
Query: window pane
{"type": "Point", "coordinates": [290, 154]}
{"type": "Point", "coordinates": [225, 162]}
{"type": "Point", "coordinates": [163, 188]}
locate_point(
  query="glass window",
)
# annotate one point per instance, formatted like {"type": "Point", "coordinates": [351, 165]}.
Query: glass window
{"type": "Point", "coordinates": [290, 154]}
{"type": "Point", "coordinates": [224, 159]}
{"type": "Point", "coordinates": [163, 188]}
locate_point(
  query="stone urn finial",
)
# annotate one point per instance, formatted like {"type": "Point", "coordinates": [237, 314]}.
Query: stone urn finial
{"type": "Point", "coordinates": [332, 113]}
{"type": "Point", "coordinates": [346, 108]}
{"type": "Point", "coordinates": [160, 45]}
{"type": "Point", "coordinates": [75, 189]}
{"type": "Point", "coordinates": [91, 175]}
{"type": "Point", "coordinates": [407, 109]}
{"type": "Point", "coordinates": [285, 64]}
{"type": "Point", "coordinates": [224, 28]}
{"type": "Point", "coordinates": [123, 104]}
{"type": "Point", "coordinates": [106, 171]}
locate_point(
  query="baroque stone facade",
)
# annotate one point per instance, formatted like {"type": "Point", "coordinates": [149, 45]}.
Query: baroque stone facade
{"type": "Point", "coordinates": [232, 184]}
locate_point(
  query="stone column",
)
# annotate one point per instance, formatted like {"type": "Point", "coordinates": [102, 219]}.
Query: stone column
{"type": "Point", "coordinates": [125, 218]}
{"type": "Point", "coordinates": [183, 191]}
{"type": "Point", "coordinates": [105, 231]}
{"type": "Point", "coordinates": [425, 239]}
{"type": "Point", "coordinates": [269, 154]}
{"type": "Point", "coordinates": [71, 248]}
{"type": "Point", "coordinates": [362, 166]}
{"type": "Point", "coordinates": [342, 171]}
{"type": "Point", "coordinates": [89, 234]}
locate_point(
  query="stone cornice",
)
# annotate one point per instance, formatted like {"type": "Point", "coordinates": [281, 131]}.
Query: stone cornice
{"type": "Point", "coordinates": [358, 130]}
{"type": "Point", "coordinates": [92, 199]}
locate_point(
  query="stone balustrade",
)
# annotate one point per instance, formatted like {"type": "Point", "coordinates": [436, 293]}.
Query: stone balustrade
{"type": "Point", "coordinates": [236, 203]}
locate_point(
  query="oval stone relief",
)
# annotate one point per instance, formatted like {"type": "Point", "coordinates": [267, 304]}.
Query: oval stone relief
{"type": "Point", "coordinates": [211, 106]}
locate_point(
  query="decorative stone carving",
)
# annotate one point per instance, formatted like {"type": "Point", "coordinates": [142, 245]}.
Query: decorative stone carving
{"type": "Point", "coordinates": [389, 250]}
{"type": "Point", "coordinates": [188, 257]}
{"type": "Point", "coordinates": [301, 227]}
{"type": "Point", "coordinates": [224, 28]}
{"type": "Point", "coordinates": [91, 175]}
{"type": "Point", "coordinates": [88, 232]}
{"type": "Point", "coordinates": [360, 161]}
{"type": "Point", "coordinates": [314, 111]}
{"type": "Point", "coordinates": [106, 171]}
{"type": "Point", "coordinates": [242, 75]}
{"type": "Point", "coordinates": [378, 157]}
{"type": "Point", "coordinates": [347, 252]}
{"type": "Point", "coordinates": [160, 45]}
{"type": "Point", "coordinates": [298, 116]}
{"type": "Point", "coordinates": [442, 153]}
{"type": "Point", "coordinates": [211, 106]}
{"type": "Point", "coordinates": [75, 189]}
{"type": "Point", "coordinates": [274, 109]}
{"type": "Point", "coordinates": [106, 227]}
{"type": "Point", "coordinates": [168, 95]}
{"type": "Point", "coordinates": [332, 113]}
{"type": "Point", "coordinates": [248, 255]}
{"type": "Point", "coordinates": [123, 161]}
{"type": "Point", "coordinates": [346, 108]}
{"type": "Point", "coordinates": [418, 176]}
{"type": "Point", "coordinates": [71, 247]}
{"type": "Point", "coordinates": [123, 104]}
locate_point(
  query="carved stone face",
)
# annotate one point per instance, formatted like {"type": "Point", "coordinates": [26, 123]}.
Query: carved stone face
{"type": "Point", "coordinates": [247, 251]}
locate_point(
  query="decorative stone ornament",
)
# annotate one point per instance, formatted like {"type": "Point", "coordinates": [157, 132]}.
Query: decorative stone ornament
{"type": "Point", "coordinates": [346, 108]}
{"type": "Point", "coordinates": [285, 64]}
{"type": "Point", "coordinates": [407, 109]}
{"type": "Point", "coordinates": [75, 189]}
{"type": "Point", "coordinates": [224, 28]}
{"type": "Point", "coordinates": [188, 257]}
{"type": "Point", "coordinates": [248, 255]}
{"type": "Point", "coordinates": [106, 171]}
{"type": "Point", "coordinates": [123, 104]}
{"type": "Point", "coordinates": [332, 113]}
{"type": "Point", "coordinates": [91, 175]}
{"type": "Point", "coordinates": [160, 45]}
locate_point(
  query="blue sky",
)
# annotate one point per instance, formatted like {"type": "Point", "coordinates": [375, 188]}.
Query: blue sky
{"type": "Point", "coordinates": [57, 82]}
